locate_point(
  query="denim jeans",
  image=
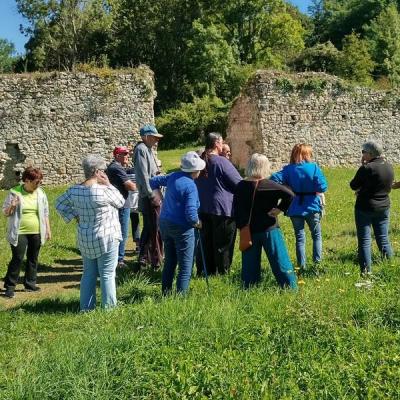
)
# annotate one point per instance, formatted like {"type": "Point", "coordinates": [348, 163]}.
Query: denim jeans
{"type": "Point", "coordinates": [313, 221]}
{"type": "Point", "coordinates": [104, 267]}
{"type": "Point", "coordinates": [178, 249]}
{"type": "Point", "coordinates": [124, 216]}
{"type": "Point", "coordinates": [275, 248]}
{"type": "Point", "coordinates": [380, 224]}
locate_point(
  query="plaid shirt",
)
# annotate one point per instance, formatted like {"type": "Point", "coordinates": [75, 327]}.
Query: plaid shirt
{"type": "Point", "coordinates": [96, 208]}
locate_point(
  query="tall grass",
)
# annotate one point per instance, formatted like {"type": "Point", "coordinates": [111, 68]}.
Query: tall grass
{"type": "Point", "coordinates": [328, 341]}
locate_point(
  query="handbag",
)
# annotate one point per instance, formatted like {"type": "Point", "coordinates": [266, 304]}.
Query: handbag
{"type": "Point", "coordinates": [244, 233]}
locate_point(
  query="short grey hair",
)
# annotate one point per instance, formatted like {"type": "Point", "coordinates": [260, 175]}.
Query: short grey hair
{"type": "Point", "coordinates": [373, 148]}
{"type": "Point", "coordinates": [91, 163]}
{"type": "Point", "coordinates": [258, 166]}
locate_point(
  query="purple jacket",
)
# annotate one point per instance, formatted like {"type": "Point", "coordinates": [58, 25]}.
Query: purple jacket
{"type": "Point", "coordinates": [216, 190]}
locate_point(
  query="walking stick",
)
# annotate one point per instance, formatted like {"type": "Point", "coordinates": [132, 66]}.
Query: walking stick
{"type": "Point", "coordinates": [204, 261]}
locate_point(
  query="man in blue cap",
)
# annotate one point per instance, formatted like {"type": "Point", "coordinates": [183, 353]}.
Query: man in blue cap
{"type": "Point", "coordinates": [145, 165]}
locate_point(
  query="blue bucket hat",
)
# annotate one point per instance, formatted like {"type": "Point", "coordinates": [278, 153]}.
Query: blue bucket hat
{"type": "Point", "coordinates": [149, 129]}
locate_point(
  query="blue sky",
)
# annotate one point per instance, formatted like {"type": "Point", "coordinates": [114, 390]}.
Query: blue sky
{"type": "Point", "coordinates": [10, 21]}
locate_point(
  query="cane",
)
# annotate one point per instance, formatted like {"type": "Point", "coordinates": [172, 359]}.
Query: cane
{"type": "Point", "coordinates": [204, 261]}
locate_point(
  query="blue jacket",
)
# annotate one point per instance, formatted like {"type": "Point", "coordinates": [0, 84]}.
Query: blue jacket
{"type": "Point", "coordinates": [181, 200]}
{"type": "Point", "coordinates": [306, 180]}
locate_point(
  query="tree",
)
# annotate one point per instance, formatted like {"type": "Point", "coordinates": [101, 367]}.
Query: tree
{"type": "Point", "coordinates": [65, 32]}
{"type": "Point", "coordinates": [355, 62]}
{"type": "Point", "coordinates": [384, 37]}
{"type": "Point", "coordinates": [7, 49]}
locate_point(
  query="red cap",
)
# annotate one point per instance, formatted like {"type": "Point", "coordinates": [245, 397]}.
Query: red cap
{"type": "Point", "coordinates": [120, 150]}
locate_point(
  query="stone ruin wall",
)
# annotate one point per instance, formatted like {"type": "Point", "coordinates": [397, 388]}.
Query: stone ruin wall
{"type": "Point", "coordinates": [277, 110]}
{"type": "Point", "coordinates": [53, 120]}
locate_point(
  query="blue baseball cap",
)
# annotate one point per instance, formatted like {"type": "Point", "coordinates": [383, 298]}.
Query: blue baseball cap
{"type": "Point", "coordinates": [149, 129]}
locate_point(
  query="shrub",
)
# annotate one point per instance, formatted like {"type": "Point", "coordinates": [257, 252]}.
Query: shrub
{"type": "Point", "coordinates": [187, 124]}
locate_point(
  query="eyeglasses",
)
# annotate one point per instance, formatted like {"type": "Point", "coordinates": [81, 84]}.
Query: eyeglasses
{"type": "Point", "coordinates": [364, 152]}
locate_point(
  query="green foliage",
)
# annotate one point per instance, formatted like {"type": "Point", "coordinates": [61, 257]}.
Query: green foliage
{"type": "Point", "coordinates": [188, 123]}
{"type": "Point", "coordinates": [324, 57]}
{"type": "Point", "coordinates": [355, 60]}
{"type": "Point", "coordinates": [7, 60]}
{"type": "Point", "coordinates": [384, 37]}
{"type": "Point", "coordinates": [328, 341]}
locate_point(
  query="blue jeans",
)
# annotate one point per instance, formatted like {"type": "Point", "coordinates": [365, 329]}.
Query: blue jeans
{"type": "Point", "coordinates": [274, 246]}
{"type": "Point", "coordinates": [178, 249]}
{"type": "Point", "coordinates": [313, 221]}
{"type": "Point", "coordinates": [380, 224]}
{"type": "Point", "coordinates": [124, 216]}
{"type": "Point", "coordinates": [103, 266]}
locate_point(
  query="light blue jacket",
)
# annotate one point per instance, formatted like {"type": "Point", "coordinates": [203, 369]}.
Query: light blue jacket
{"type": "Point", "coordinates": [14, 220]}
{"type": "Point", "coordinates": [306, 180]}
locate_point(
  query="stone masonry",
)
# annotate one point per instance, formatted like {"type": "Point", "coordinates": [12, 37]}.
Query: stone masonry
{"type": "Point", "coordinates": [53, 120]}
{"type": "Point", "coordinates": [277, 110]}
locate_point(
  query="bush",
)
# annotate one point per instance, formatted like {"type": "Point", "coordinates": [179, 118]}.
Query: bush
{"type": "Point", "coordinates": [188, 123]}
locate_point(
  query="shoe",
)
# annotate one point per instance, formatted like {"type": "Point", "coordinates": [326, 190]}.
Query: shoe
{"type": "Point", "coordinates": [33, 289]}
{"type": "Point", "coordinates": [121, 265]}
{"type": "Point", "coordinates": [9, 293]}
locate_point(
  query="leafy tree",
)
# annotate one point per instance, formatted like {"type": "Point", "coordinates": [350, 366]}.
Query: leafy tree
{"type": "Point", "coordinates": [355, 60]}
{"type": "Point", "coordinates": [7, 49]}
{"type": "Point", "coordinates": [65, 32]}
{"type": "Point", "coordinates": [324, 57]}
{"type": "Point", "coordinates": [384, 38]}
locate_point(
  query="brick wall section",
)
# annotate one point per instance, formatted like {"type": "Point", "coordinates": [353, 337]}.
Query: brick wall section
{"type": "Point", "coordinates": [277, 110]}
{"type": "Point", "coordinates": [53, 120]}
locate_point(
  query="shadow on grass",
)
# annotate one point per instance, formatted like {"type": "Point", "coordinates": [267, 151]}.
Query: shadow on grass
{"type": "Point", "coordinates": [58, 278]}
{"type": "Point", "coordinates": [60, 246]}
{"type": "Point", "coordinates": [74, 261]}
{"type": "Point", "coordinates": [50, 306]}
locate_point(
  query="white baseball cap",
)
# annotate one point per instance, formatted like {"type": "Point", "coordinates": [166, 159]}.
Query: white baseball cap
{"type": "Point", "coordinates": [191, 162]}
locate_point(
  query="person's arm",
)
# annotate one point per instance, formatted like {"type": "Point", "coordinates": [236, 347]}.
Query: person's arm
{"type": "Point", "coordinates": [142, 173]}
{"type": "Point", "coordinates": [231, 176]}
{"type": "Point", "coordinates": [65, 208]}
{"type": "Point", "coordinates": [158, 181]}
{"type": "Point", "coordinates": [46, 216]}
{"type": "Point", "coordinates": [114, 196]}
{"type": "Point", "coordinates": [10, 204]}
{"type": "Point", "coordinates": [320, 183]}
{"type": "Point", "coordinates": [191, 198]}
{"type": "Point", "coordinates": [359, 179]}
{"type": "Point", "coordinates": [277, 177]}
{"type": "Point", "coordinates": [129, 185]}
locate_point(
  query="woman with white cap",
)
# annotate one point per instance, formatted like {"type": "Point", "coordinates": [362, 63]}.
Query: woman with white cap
{"type": "Point", "coordinates": [178, 218]}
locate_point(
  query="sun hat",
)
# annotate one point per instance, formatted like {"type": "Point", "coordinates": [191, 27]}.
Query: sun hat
{"type": "Point", "coordinates": [149, 129]}
{"type": "Point", "coordinates": [191, 162]}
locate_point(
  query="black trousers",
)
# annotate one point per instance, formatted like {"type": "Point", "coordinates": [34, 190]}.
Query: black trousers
{"type": "Point", "coordinates": [217, 235]}
{"type": "Point", "coordinates": [31, 245]}
{"type": "Point", "coordinates": [135, 224]}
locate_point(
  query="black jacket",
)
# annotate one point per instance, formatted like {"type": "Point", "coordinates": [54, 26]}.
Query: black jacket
{"type": "Point", "coordinates": [373, 182]}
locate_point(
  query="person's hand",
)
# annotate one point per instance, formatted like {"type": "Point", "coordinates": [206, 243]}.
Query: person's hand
{"type": "Point", "coordinates": [156, 199]}
{"type": "Point", "coordinates": [396, 185]}
{"type": "Point", "coordinates": [102, 178]}
{"type": "Point", "coordinates": [198, 225]}
{"type": "Point", "coordinates": [322, 198]}
{"type": "Point", "coordinates": [274, 212]}
{"type": "Point", "coordinates": [48, 234]}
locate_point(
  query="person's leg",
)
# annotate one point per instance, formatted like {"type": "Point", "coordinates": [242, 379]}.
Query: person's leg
{"type": "Point", "coordinates": [314, 223]}
{"type": "Point", "coordinates": [123, 214]}
{"type": "Point", "coordinates": [278, 257]}
{"type": "Point", "coordinates": [32, 255]}
{"type": "Point", "coordinates": [144, 240]}
{"type": "Point", "coordinates": [363, 226]}
{"type": "Point", "coordinates": [380, 224]}
{"type": "Point", "coordinates": [106, 264]}
{"type": "Point", "coordinates": [251, 262]}
{"type": "Point", "coordinates": [206, 238]}
{"type": "Point", "coordinates": [88, 284]}
{"type": "Point", "coordinates": [170, 257]}
{"type": "Point", "coordinates": [184, 244]}
{"type": "Point", "coordinates": [300, 235]}
{"type": "Point", "coordinates": [14, 266]}
{"type": "Point", "coordinates": [135, 224]}
{"type": "Point", "coordinates": [224, 231]}
{"type": "Point", "coordinates": [155, 241]}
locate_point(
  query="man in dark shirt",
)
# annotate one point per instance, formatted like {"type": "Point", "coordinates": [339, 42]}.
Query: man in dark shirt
{"type": "Point", "coordinates": [118, 177]}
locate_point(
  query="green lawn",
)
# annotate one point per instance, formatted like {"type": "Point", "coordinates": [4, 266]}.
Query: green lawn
{"type": "Point", "coordinates": [328, 341]}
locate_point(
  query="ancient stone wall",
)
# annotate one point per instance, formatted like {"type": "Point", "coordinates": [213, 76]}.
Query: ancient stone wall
{"type": "Point", "coordinates": [52, 120]}
{"type": "Point", "coordinates": [277, 110]}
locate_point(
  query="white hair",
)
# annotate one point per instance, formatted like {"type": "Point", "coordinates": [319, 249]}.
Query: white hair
{"type": "Point", "coordinates": [91, 163]}
{"type": "Point", "coordinates": [258, 166]}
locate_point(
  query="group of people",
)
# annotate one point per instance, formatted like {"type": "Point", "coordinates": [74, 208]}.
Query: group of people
{"type": "Point", "coordinates": [192, 215]}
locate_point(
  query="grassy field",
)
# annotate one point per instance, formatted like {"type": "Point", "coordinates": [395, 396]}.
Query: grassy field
{"type": "Point", "coordinates": [330, 340]}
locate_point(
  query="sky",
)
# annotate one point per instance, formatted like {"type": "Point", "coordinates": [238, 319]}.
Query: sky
{"type": "Point", "coordinates": [10, 21]}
